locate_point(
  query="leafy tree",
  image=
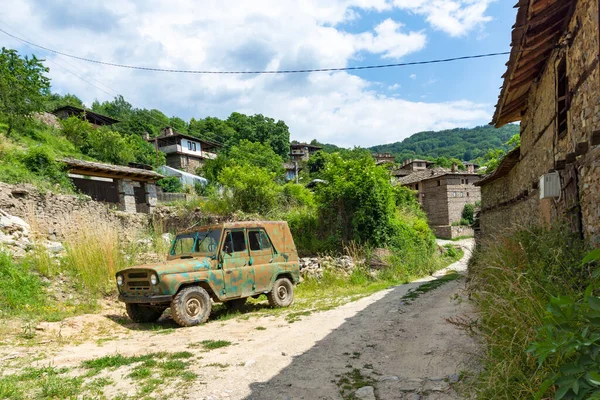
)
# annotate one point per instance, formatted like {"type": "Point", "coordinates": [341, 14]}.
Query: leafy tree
{"type": "Point", "coordinates": [23, 86]}
{"type": "Point", "coordinates": [317, 162]}
{"type": "Point", "coordinates": [249, 188]}
{"type": "Point", "coordinates": [296, 195]}
{"type": "Point", "coordinates": [55, 100]}
{"type": "Point", "coordinates": [211, 128]}
{"type": "Point", "coordinates": [170, 184]}
{"type": "Point", "coordinates": [468, 213]}
{"type": "Point", "coordinates": [493, 157]}
{"type": "Point", "coordinates": [258, 128]}
{"type": "Point", "coordinates": [109, 146]}
{"type": "Point", "coordinates": [76, 130]}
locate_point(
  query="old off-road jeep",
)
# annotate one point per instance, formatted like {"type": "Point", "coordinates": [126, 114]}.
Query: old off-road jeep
{"type": "Point", "coordinates": [227, 263]}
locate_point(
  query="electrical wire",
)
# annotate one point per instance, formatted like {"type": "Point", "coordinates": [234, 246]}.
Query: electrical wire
{"type": "Point", "coordinates": [285, 71]}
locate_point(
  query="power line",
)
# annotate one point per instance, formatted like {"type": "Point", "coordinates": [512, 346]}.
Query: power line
{"type": "Point", "coordinates": [285, 71]}
{"type": "Point", "coordinates": [212, 137]}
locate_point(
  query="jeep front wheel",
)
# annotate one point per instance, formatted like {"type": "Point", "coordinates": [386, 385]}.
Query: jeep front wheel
{"type": "Point", "coordinates": [282, 294]}
{"type": "Point", "coordinates": [191, 306]}
{"type": "Point", "coordinates": [142, 313]}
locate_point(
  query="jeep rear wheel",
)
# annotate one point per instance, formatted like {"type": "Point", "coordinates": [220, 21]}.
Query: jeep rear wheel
{"type": "Point", "coordinates": [142, 313]}
{"type": "Point", "coordinates": [282, 294]}
{"type": "Point", "coordinates": [191, 306]}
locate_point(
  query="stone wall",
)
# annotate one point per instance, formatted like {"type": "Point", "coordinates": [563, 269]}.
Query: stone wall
{"type": "Point", "coordinates": [542, 150]}
{"type": "Point", "coordinates": [183, 162]}
{"type": "Point", "coordinates": [451, 232]}
{"type": "Point", "coordinates": [53, 216]}
{"type": "Point", "coordinates": [443, 199]}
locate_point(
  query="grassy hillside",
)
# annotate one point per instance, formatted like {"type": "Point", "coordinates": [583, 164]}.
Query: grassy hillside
{"type": "Point", "coordinates": [464, 144]}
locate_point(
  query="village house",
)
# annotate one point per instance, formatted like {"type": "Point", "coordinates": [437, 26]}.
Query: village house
{"type": "Point", "coordinates": [184, 152]}
{"type": "Point", "coordinates": [552, 86]}
{"type": "Point", "coordinates": [129, 189]}
{"type": "Point", "coordinates": [415, 165]}
{"type": "Point", "coordinates": [302, 151]}
{"type": "Point", "coordinates": [443, 194]}
{"type": "Point", "coordinates": [93, 118]}
{"type": "Point", "coordinates": [382, 158]}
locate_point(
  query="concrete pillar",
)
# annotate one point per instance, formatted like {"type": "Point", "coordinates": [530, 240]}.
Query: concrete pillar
{"type": "Point", "coordinates": [151, 196]}
{"type": "Point", "coordinates": [126, 196]}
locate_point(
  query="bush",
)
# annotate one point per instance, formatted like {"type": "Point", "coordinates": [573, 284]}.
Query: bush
{"type": "Point", "coordinates": [513, 279]}
{"type": "Point", "coordinates": [250, 189]}
{"type": "Point", "coordinates": [468, 213]}
{"type": "Point", "coordinates": [40, 162]}
{"type": "Point", "coordinates": [20, 290]}
{"type": "Point", "coordinates": [170, 184]}
{"type": "Point", "coordinates": [296, 195]}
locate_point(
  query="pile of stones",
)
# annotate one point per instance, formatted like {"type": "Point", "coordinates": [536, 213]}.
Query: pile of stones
{"type": "Point", "coordinates": [15, 237]}
{"type": "Point", "coordinates": [313, 267]}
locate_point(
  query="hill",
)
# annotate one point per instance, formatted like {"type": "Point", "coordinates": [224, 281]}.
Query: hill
{"type": "Point", "coordinates": [461, 143]}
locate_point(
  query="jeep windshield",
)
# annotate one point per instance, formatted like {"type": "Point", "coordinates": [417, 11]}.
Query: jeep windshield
{"type": "Point", "coordinates": [201, 242]}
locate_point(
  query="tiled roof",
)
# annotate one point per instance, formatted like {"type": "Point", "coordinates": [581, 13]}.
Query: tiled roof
{"type": "Point", "coordinates": [422, 175]}
{"type": "Point", "coordinates": [91, 167]}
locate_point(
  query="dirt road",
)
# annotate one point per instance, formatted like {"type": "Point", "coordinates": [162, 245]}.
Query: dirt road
{"type": "Point", "coordinates": [385, 346]}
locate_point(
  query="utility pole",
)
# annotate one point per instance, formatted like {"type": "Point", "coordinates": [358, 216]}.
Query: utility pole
{"type": "Point", "coordinates": [296, 168]}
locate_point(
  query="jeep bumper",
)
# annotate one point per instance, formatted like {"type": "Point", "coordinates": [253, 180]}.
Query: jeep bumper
{"type": "Point", "coordinates": [146, 299]}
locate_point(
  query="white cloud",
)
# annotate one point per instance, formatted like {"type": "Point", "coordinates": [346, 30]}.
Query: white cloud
{"type": "Point", "coordinates": [413, 76]}
{"type": "Point", "coordinates": [395, 86]}
{"type": "Point", "coordinates": [455, 17]}
{"type": "Point", "coordinates": [265, 34]}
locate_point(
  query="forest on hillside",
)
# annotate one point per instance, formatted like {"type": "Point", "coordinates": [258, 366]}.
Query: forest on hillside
{"type": "Point", "coordinates": [467, 144]}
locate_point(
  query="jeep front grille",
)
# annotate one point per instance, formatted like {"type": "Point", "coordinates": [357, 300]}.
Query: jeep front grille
{"type": "Point", "coordinates": [138, 285]}
{"type": "Point", "coordinates": [137, 275]}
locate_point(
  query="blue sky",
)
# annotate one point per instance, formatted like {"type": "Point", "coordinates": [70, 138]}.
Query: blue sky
{"type": "Point", "coordinates": [346, 108]}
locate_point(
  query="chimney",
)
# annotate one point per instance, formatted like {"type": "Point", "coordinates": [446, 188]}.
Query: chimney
{"type": "Point", "coordinates": [146, 136]}
{"type": "Point", "coordinates": [168, 131]}
{"type": "Point", "coordinates": [454, 167]}
{"type": "Point", "coordinates": [470, 168]}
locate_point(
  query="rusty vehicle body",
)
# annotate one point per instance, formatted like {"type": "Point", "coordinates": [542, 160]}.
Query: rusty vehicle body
{"type": "Point", "coordinates": [227, 262]}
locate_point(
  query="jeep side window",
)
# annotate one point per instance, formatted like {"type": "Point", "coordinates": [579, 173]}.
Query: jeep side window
{"type": "Point", "coordinates": [234, 242]}
{"type": "Point", "coordinates": [258, 240]}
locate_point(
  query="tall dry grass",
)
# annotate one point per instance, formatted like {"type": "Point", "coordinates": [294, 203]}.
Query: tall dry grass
{"type": "Point", "coordinates": [512, 280]}
{"type": "Point", "coordinates": [94, 253]}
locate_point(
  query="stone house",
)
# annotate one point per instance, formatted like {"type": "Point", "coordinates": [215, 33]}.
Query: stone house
{"type": "Point", "coordinates": [93, 118]}
{"type": "Point", "coordinates": [416, 165]}
{"type": "Point", "coordinates": [302, 151]}
{"type": "Point", "coordinates": [443, 194]}
{"type": "Point", "coordinates": [129, 189]}
{"type": "Point", "coordinates": [382, 158]}
{"type": "Point", "coordinates": [184, 152]}
{"type": "Point", "coordinates": [552, 86]}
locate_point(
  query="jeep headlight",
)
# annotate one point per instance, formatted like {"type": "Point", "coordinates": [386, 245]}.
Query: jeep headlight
{"type": "Point", "coordinates": [153, 279]}
{"type": "Point", "coordinates": [120, 280]}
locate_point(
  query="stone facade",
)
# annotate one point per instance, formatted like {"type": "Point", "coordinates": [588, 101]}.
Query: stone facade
{"type": "Point", "coordinates": [513, 200]}
{"type": "Point", "coordinates": [184, 162]}
{"type": "Point", "coordinates": [443, 195]}
{"type": "Point", "coordinates": [53, 216]}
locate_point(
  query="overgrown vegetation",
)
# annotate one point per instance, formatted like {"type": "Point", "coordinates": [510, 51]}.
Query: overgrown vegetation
{"type": "Point", "coordinates": [533, 288]}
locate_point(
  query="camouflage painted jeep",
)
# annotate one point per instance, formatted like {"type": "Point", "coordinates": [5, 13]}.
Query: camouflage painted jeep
{"type": "Point", "coordinates": [226, 263]}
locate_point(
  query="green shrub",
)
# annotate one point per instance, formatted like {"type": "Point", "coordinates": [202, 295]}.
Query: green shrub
{"type": "Point", "coordinates": [41, 162]}
{"type": "Point", "coordinates": [468, 214]}
{"type": "Point", "coordinates": [570, 337]}
{"type": "Point", "coordinates": [20, 290]}
{"type": "Point", "coordinates": [513, 279]}
{"type": "Point", "coordinates": [296, 195]}
{"type": "Point", "coordinates": [250, 189]}
{"type": "Point", "coordinates": [170, 184]}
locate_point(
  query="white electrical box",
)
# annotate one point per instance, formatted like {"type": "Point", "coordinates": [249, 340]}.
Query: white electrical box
{"type": "Point", "coordinates": [550, 185]}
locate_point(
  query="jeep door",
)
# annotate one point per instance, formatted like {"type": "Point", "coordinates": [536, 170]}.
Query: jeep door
{"type": "Point", "coordinates": [238, 274]}
{"type": "Point", "coordinates": [261, 257]}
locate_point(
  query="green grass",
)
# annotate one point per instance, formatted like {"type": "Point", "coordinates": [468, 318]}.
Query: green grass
{"type": "Point", "coordinates": [214, 344]}
{"type": "Point", "coordinates": [431, 285]}
{"type": "Point", "coordinates": [118, 360]}
{"type": "Point", "coordinates": [349, 382]}
{"type": "Point", "coordinates": [512, 280]}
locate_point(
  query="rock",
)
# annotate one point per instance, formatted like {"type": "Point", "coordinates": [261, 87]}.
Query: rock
{"type": "Point", "coordinates": [365, 393]}
{"type": "Point", "coordinates": [379, 258]}
{"type": "Point", "coordinates": [388, 378]}
{"type": "Point", "coordinates": [414, 396]}
{"type": "Point", "coordinates": [54, 247]}
{"type": "Point", "coordinates": [411, 385]}
{"type": "Point", "coordinates": [453, 378]}
{"type": "Point", "coordinates": [436, 386]}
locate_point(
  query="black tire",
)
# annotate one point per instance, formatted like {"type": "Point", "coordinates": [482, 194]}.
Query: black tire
{"type": "Point", "coordinates": [143, 314]}
{"type": "Point", "coordinates": [191, 306]}
{"type": "Point", "coordinates": [282, 294]}
{"type": "Point", "coordinates": [235, 305]}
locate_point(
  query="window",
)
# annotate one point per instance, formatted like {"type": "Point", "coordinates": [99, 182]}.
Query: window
{"type": "Point", "coordinates": [562, 100]}
{"type": "Point", "coordinates": [467, 181]}
{"type": "Point", "coordinates": [416, 186]}
{"type": "Point", "coordinates": [258, 240]}
{"type": "Point", "coordinates": [453, 194]}
{"type": "Point", "coordinates": [439, 183]}
{"type": "Point", "coordinates": [462, 194]}
{"type": "Point", "coordinates": [419, 164]}
{"type": "Point", "coordinates": [192, 146]}
{"type": "Point", "coordinates": [234, 242]}
{"type": "Point", "coordinates": [467, 194]}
